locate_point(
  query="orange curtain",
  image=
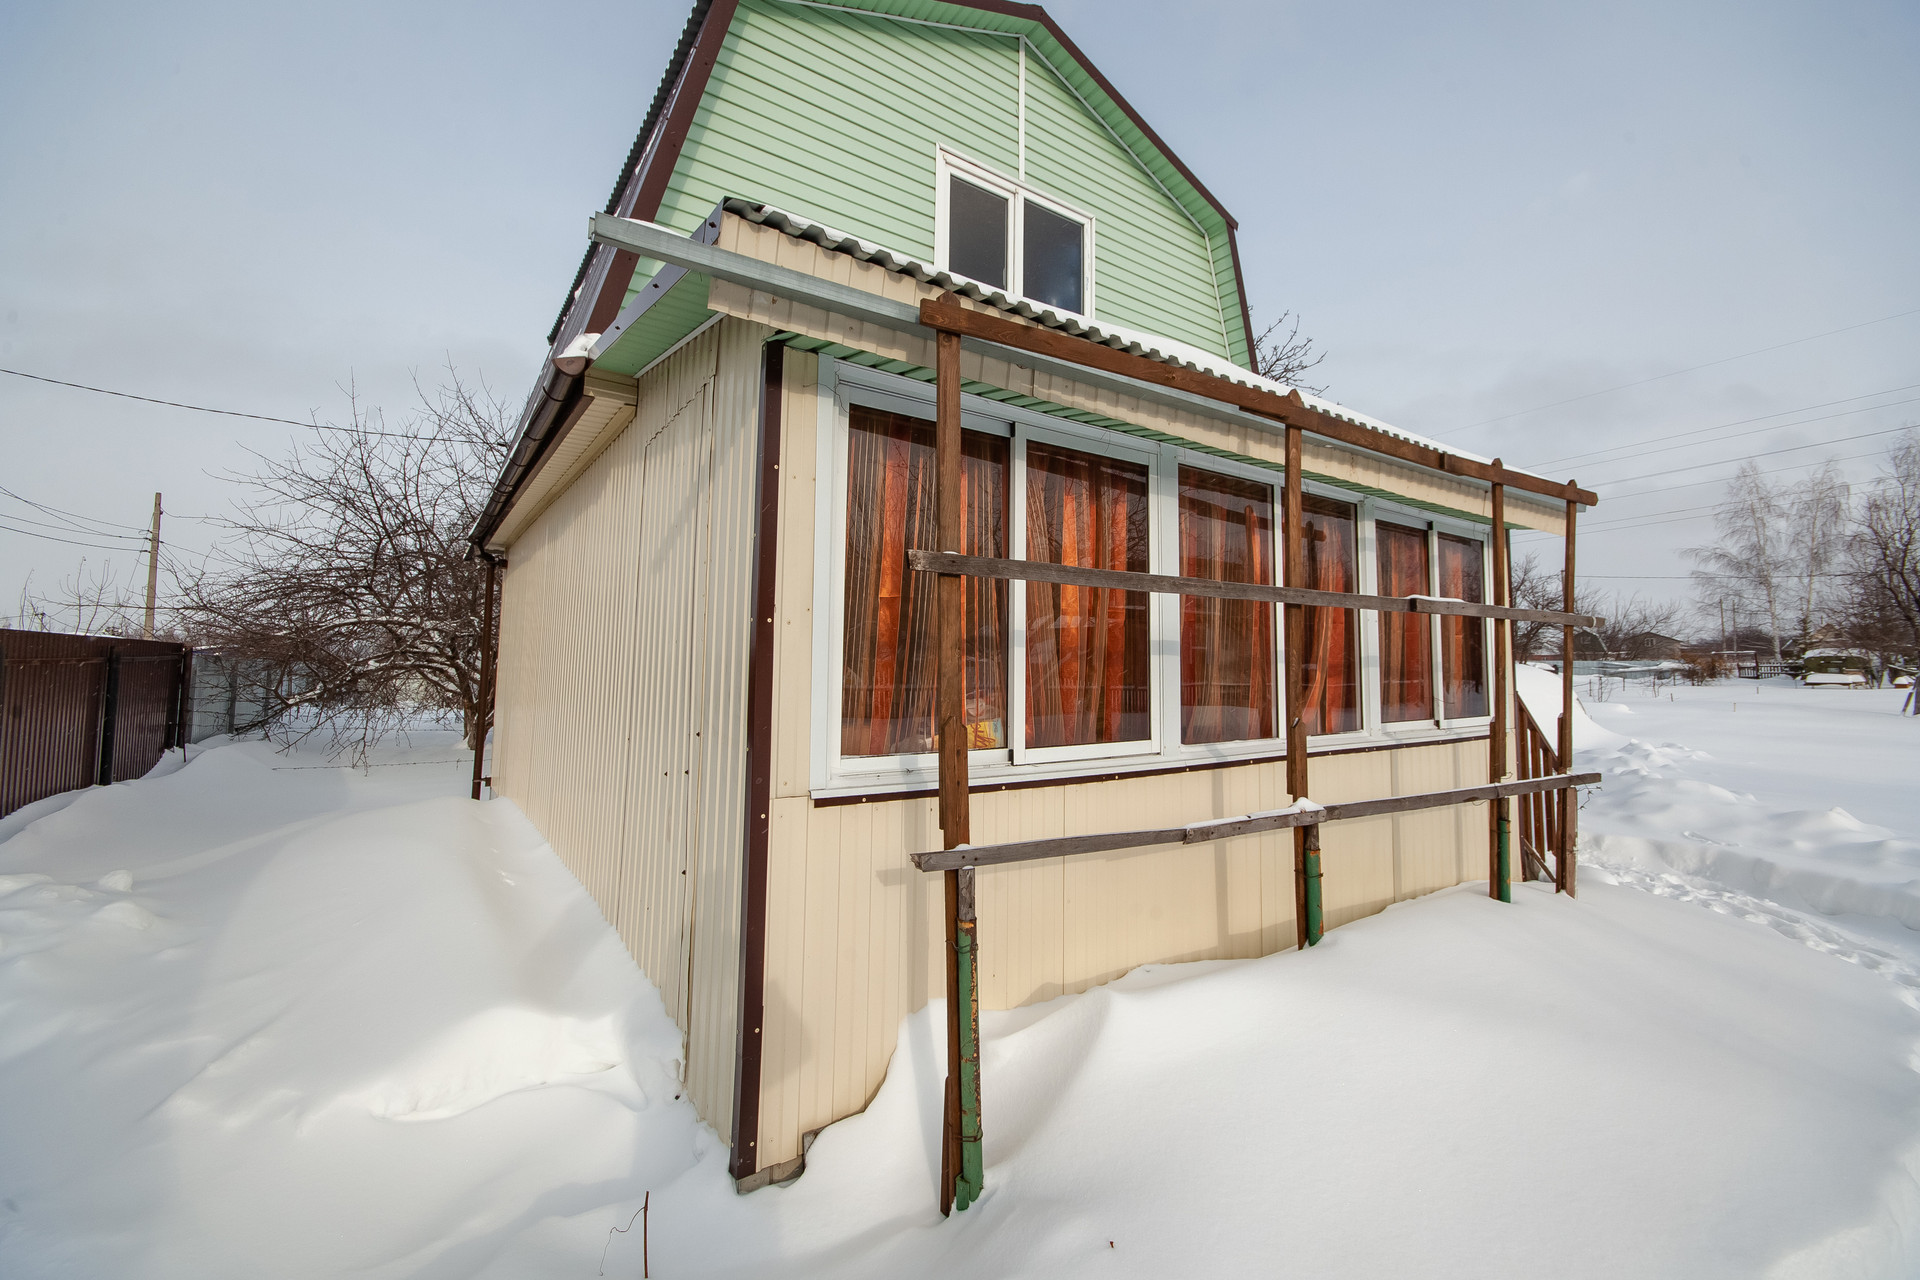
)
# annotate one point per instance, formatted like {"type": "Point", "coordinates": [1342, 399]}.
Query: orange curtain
{"type": "Point", "coordinates": [1226, 646]}
{"type": "Point", "coordinates": [1087, 647]}
{"type": "Point", "coordinates": [1406, 643]}
{"type": "Point", "coordinates": [1463, 641]}
{"type": "Point", "coordinates": [886, 705]}
{"type": "Point", "coordinates": [1332, 660]}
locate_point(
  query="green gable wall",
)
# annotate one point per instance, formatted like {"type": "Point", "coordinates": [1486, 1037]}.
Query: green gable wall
{"type": "Point", "coordinates": [835, 115]}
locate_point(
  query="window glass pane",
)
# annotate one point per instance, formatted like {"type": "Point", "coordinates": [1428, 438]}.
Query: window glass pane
{"type": "Point", "coordinates": [1086, 646]}
{"type": "Point", "coordinates": [1332, 660]}
{"type": "Point", "coordinates": [1406, 643]}
{"type": "Point", "coordinates": [1463, 641]}
{"type": "Point", "coordinates": [1226, 646]}
{"type": "Point", "coordinates": [1050, 265]}
{"type": "Point", "coordinates": [977, 233]}
{"type": "Point", "coordinates": [886, 704]}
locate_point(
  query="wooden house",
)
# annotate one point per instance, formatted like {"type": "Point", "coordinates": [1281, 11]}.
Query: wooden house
{"type": "Point", "coordinates": [831, 324]}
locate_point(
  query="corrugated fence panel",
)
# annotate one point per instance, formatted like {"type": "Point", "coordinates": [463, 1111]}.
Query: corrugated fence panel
{"type": "Point", "coordinates": [623, 668]}
{"type": "Point", "coordinates": [52, 695]}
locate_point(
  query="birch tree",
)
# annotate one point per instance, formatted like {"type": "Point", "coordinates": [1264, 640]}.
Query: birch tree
{"type": "Point", "coordinates": [1750, 557]}
{"type": "Point", "coordinates": [1818, 508]}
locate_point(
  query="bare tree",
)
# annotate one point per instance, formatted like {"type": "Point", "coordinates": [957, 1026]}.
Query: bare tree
{"type": "Point", "coordinates": [1749, 561]}
{"type": "Point", "coordinates": [1884, 554]}
{"type": "Point", "coordinates": [1818, 508]}
{"type": "Point", "coordinates": [344, 574]}
{"type": "Point", "coordinates": [1287, 357]}
{"type": "Point", "coordinates": [1535, 587]}
{"type": "Point", "coordinates": [94, 597]}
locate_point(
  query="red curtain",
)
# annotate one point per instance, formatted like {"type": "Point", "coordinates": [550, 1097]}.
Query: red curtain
{"type": "Point", "coordinates": [1087, 647]}
{"type": "Point", "coordinates": [1406, 643]}
{"type": "Point", "coordinates": [886, 703]}
{"type": "Point", "coordinates": [1463, 641]}
{"type": "Point", "coordinates": [1226, 646]}
{"type": "Point", "coordinates": [1332, 659]}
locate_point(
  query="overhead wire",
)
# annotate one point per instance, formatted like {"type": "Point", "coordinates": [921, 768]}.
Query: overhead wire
{"type": "Point", "coordinates": [1588, 395]}
{"type": "Point", "coordinates": [1538, 467]}
{"type": "Point", "coordinates": [200, 408]}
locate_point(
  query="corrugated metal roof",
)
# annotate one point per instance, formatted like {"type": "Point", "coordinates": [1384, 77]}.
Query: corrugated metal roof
{"type": "Point", "coordinates": [1119, 337]}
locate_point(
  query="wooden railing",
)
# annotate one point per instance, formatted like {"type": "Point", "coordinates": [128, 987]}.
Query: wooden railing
{"type": "Point", "coordinates": [1539, 811]}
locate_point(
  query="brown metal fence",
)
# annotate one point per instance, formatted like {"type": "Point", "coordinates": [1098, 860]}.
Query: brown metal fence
{"type": "Point", "coordinates": [82, 710]}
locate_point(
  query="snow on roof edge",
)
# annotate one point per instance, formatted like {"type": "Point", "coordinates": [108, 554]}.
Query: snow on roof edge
{"type": "Point", "coordinates": [1152, 346]}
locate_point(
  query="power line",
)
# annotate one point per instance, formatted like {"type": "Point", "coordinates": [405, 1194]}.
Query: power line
{"type": "Point", "coordinates": [1778, 346]}
{"type": "Point", "coordinates": [1778, 426]}
{"type": "Point", "coordinates": [69, 541]}
{"type": "Point", "coordinates": [1738, 422]}
{"type": "Point", "coordinates": [230, 413]}
{"type": "Point", "coordinates": [1720, 462]}
{"type": "Point", "coordinates": [70, 515]}
{"type": "Point", "coordinates": [68, 528]}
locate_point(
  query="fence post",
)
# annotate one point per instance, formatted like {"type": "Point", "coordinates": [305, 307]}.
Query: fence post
{"type": "Point", "coordinates": [109, 714]}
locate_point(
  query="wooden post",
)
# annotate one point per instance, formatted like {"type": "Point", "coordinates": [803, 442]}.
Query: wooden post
{"type": "Point", "coordinates": [961, 1165]}
{"type": "Point", "coordinates": [1569, 801]}
{"type": "Point", "coordinates": [483, 713]}
{"type": "Point", "coordinates": [153, 568]}
{"type": "Point", "coordinates": [1499, 857]}
{"type": "Point", "coordinates": [1294, 619]}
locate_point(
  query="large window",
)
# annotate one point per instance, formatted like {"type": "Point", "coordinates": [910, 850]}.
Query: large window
{"type": "Point", "coordinates": [1059, 677]}
{"type": "Point", "coordinates": [1406, 639]}
{"type": "Point", "coordinates": [1463, 641]}
{"type": "Point", "coordinates": [1226, 646]}
{"type": "Point", "coordinates": [1087, 677]}
{"type": "Point", "coordinates": [1332, 661]}
{"type": "Point", "coordinates": [887, 693]}
{"type": "Point", "coordinates": [1006, 236]}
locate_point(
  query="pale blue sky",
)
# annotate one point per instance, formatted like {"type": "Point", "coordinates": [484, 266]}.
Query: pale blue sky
{"type": "Point", "coordinates": [1477, 209]}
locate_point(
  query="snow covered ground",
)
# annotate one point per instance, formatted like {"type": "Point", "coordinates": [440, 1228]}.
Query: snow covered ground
{"type": "Point", "coordinates": [264, 1017]}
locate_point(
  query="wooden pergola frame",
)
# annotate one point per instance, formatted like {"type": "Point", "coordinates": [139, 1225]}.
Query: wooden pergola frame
{"type": "Point", "coordinates": [962, 1166]}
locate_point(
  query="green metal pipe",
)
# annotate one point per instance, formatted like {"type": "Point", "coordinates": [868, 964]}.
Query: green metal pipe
{"type": "Point", "coordinates": [1506, 851]}
{"type": "Point", "coordinates": [970, 1178]}
{"type": "Point", "coordinates": [1316, 923]}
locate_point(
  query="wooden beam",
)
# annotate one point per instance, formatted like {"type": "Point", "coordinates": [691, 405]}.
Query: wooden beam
{"type": "Point", "coordinates": [1293, 519]}
{"type": "Point", "coordinates": [1074, 575]}
{"type": "Point", "coordinates": [1569, 803]}
{"type": "Point", "coordinates": [1245, 825]}
{"type": "Point", "coordinates": [960, 1148]}
{"type": "Point", "coordinates": [1498, 885]}
{"type": "Point", "coordinates": [948, 315]}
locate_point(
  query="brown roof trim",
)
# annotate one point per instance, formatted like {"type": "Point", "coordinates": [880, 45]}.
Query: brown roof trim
{"type": "Point", "coordinates": [750, 1038]}
{"type": "Point", "coordinates": [692, 62]}
{"type": "Point", "coordinates": [1240, 285]}
{"type": "Point", "coordinates": [1034, 13]}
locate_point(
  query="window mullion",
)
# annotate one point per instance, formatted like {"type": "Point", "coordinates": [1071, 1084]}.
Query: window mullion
{"type": "Point", "coordinates": [1017, 597]}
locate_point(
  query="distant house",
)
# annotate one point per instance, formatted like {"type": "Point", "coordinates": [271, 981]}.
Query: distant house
{"type": "Point", "coordinates": [717, 673]}
{"type": "Point", "coordinates": [1651, 644]}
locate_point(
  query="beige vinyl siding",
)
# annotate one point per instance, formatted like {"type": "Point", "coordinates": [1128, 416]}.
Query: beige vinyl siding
{"type": "Point", "coordinates": [854, 932]}
{"type": "Point", "coordinates": [625, 623]}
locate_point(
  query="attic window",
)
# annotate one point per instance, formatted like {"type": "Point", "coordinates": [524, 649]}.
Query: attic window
{"type": "Point", "coordinates": [1004, 236]}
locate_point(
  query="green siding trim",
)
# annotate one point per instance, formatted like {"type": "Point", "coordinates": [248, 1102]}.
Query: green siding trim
{"type": "Point", "coordinates": [828, 113]}
{"type": "Point", "coordinates": [673, 315]}
{"type": "Point", "coordinates": [920, 373]}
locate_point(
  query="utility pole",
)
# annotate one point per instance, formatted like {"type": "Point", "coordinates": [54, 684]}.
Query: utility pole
{"type": "Point", "coordinates": [153, 567]}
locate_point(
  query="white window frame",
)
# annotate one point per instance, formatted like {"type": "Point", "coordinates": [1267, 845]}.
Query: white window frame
{"type": "Point", "coordinates": [843, 384]}
{"type": "Point", "coordinates": [949, 164]}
